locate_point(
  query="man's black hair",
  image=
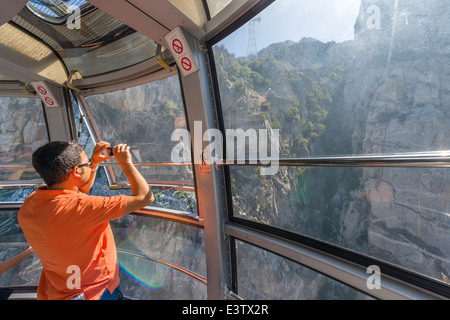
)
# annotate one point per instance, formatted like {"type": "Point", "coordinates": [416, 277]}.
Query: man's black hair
{"type": "Point", "coordinates": [54, 160]}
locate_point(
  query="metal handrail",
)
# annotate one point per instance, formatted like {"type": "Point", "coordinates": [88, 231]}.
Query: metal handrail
{"type": "Point", "coordinates": [414, 159]}
{"type": "Point", "coordinates": [14, 244]}
{"type": "Point", "coordinates": [147, 164]}
{"type": "Point", "coordinates": [154, 212]}
{"type": "Point", "coordinates": [181, 269]}
{"type": "Point", "coordinates": [438, 159]}
{"type": "Point", "coordinates": [102, 164]}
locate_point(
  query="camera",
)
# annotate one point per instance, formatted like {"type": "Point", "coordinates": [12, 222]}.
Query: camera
{"type": "Point", "coordinates": [110, 152]}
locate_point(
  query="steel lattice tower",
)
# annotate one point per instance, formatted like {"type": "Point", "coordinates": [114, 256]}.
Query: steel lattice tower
{"type": "Point", "coordinates": [251, 49]}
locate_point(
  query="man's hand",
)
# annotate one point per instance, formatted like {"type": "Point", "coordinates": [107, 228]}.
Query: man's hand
{"type": "Point", "coordinates": [97, 156]}
{"type": "Point", "coordinates": [141, 195]}
{"type": "Point", "coordinates": [122, 154]}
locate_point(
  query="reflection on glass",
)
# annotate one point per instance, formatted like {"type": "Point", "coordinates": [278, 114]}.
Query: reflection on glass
{"type": "Point", "coordinates": [266, 276]}
{"type": "Point", "coordinates": [345, 78]}
{"type": "Point", "coordinates": [50, 10]}
{"type": "Point", "coordinates": [98, 44]}
{"type": "Point", "coordinates": [144, 118]}
{"type": "Point", "coordinates": [108, 54]}
{"type": "Point", "coordinates": [22, 131]}
{"type": "Point", "coordinates": [142, 279]}
{"type": "Point", "coordinates": [178, 245]}
{"type": "Point", "coordinates": [399, 215]}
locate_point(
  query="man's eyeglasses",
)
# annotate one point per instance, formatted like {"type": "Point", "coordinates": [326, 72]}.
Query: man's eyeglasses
{"type": "Point", "coordinates": [89, 164]}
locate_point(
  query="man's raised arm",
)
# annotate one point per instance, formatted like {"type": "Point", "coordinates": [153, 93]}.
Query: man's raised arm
{"type": "Point", "coordinates": [141, 193]}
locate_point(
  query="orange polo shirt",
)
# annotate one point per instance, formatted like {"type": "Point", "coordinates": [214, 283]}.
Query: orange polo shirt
{"type": "Point", "coordinates": [71, 235]}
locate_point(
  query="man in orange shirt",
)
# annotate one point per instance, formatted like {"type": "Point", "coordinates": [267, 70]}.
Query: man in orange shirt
{"type": "Point", "coordinates": [69, 230]}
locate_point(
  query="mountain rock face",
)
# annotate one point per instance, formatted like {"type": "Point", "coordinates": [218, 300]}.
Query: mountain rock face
{"type": "Point", "coordinates": [405, 105]}
{"type": "Point", "coordinates": [385, 92]}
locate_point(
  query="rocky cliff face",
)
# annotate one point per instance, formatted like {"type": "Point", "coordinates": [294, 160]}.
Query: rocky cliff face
{"type": "Point", "coordinates": [387, 91]}
{"type": "Point", "coordinates": [22, 130]}
{"type": "Point", "coordinates": [404, 104]}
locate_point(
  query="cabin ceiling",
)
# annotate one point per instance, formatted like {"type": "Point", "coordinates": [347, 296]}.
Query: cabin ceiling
{"type": "Point", "coordinates": [40, 40]}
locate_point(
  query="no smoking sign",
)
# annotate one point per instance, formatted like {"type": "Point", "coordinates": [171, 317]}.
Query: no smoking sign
{"type": "Point", "coordinates": [43, 90]}
{"type": "Point", "coordinates": [186, 64]}
{"type": "Point", "coordinates": [177, 44]}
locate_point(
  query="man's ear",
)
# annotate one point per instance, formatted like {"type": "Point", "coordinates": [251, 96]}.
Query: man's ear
{"type": "Point", "coordinates": [77, 172]}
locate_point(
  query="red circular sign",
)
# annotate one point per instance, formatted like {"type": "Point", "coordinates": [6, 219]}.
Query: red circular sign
{"type": "Point", "coordinates": [49, 101]}
{"type": "Point", "coordinates": [177, 46]}
{"type": "Point", "coordinates": [186, 64]}
{"type": "Point", "coordinates": [42, 90]}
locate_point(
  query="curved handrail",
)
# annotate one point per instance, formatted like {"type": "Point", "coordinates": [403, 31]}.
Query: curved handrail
{"type": "Point", "coordinates": [18, 258]}
{"type": "Point", "coordinates": [181, 269]}
{"type": "Point", "coordinates": [12, 262]}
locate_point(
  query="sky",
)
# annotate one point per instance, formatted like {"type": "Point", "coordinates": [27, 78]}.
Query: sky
{"type": "Point", "coordinates": [325, 20]}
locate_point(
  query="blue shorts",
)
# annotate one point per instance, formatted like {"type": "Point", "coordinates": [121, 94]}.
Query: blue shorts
{"type": "Point", "coordinates": [115, 295]}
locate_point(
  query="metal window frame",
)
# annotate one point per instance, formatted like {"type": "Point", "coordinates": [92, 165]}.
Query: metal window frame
{"type": "Point", "coordinates": [211, 193]}
{"type": "Point", "coordinates": [232, 17]}
{"type": "Point", "coordinates": [343, 265]}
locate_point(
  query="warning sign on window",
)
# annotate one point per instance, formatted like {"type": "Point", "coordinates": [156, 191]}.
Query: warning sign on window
{"type": "Point", "coordinates": [177, 44]}
{"type": "Point", "coordinates": [44, 92]}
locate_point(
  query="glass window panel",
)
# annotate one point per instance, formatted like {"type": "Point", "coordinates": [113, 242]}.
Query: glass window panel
{"type": "Point", "coordinates": [174, 199]}
{"type": "Point", "coordinates": [399, 215]}
{"type": "Point", "coordinates": [15, 195]}
{"type": "Point", "coordinates": [167, 199]}
{"type": "Point", "coordinates": [144, 118]}
{"type": "Point", "coordinates": [174, 243]}
{"type": "Point", "coordinates": [28, 271]}
{"type": "Point", "coordinates": [142, 279]}
{"type": "Point", "coordinates": [82, 131]}
{"type": "Point", "coordinates": [263, 275]}
{"type": "Point", "coordinates": [10, 230]}
{"type": "Point", "coordinates": [25, 273]}
{"type": "Point", "coordinates": [345, 78]}
{"type": "Point", "coordinates": [22, 131]}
